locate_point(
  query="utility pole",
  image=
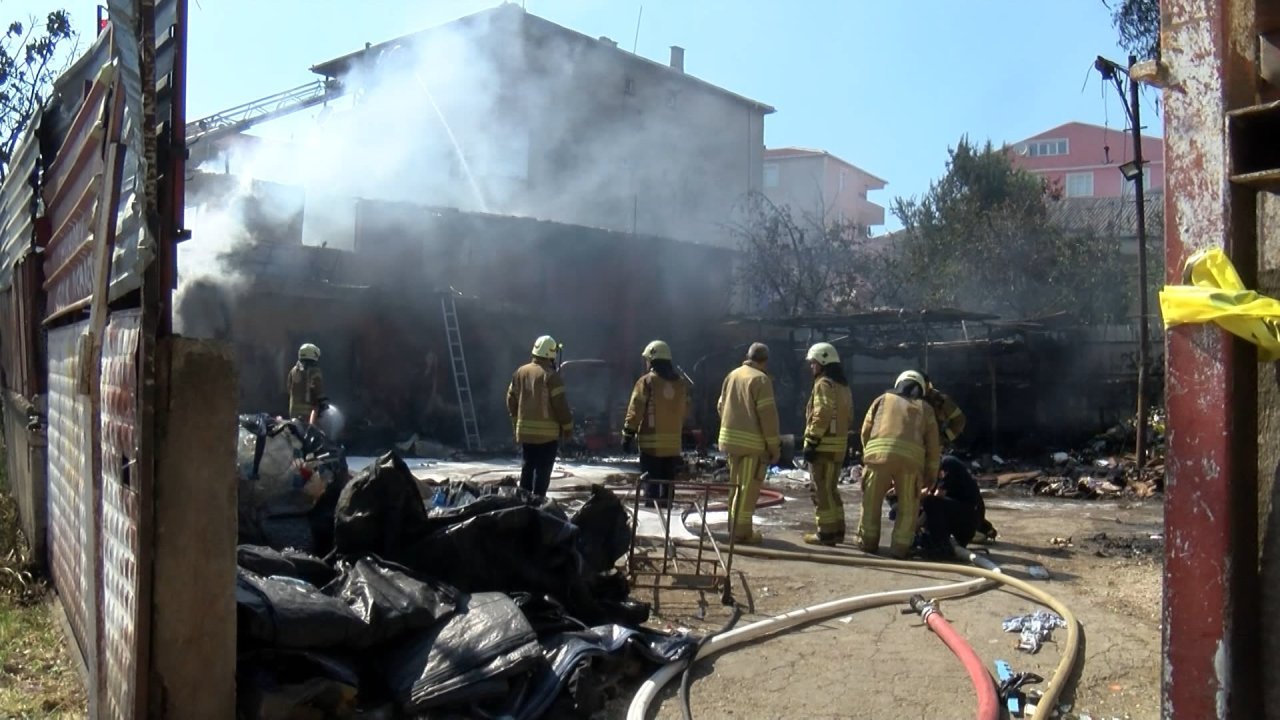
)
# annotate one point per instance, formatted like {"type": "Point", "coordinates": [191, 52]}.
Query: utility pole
{"type": "Point", "coordinates": [1140, 209]}
{"type": "Point", "coordinates": [1132, 102]}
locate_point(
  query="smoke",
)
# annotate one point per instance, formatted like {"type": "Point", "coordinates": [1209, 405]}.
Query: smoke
{"type": "Point", "coordinates": [498, 113]}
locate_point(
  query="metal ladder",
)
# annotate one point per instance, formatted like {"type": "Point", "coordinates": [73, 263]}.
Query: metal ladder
{"type": "Point", "coordinates": [461, 381]}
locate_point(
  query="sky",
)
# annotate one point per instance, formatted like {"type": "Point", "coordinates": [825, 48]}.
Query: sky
{"type": "Point", "coordinates": [887, 86]}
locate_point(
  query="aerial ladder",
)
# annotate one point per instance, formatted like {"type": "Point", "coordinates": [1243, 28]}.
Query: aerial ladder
{"type": "Point", "coordinates": [244, 116]}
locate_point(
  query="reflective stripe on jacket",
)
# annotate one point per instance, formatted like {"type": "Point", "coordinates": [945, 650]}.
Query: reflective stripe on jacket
{"type": "Point", "coordinates": [949, 416]}
{"type": "Point", "coordinates": [655, 414]}
{"type": "Point", "coordinates": [900, 426]}
{"type": "Point", "coordinates": [306, 389]}
{"type": "Point", "coordinates": [537, 404]}
{"type": "Point", "coordinates": [828, 416]}
{"type": "Point", "coordinates": [748, 413]}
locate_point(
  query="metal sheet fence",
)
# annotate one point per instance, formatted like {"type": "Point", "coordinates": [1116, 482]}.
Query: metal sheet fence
{"type": "Point", "coordinates": [71, 496]}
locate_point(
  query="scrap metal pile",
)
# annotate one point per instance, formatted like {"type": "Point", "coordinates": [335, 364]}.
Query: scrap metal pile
{"type": "Point", "coordinates": [491, 602]}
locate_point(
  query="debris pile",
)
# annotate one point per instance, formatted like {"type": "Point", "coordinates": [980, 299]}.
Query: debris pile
{"type": "Point", "coordinates": [1034, 628]}
{"type": "Point", "coordinates": [492, 603]}
{"type": "Point", "coordinates": [1104, 467]}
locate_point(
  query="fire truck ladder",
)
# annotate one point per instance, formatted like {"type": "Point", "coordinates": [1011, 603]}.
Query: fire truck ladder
{"type": "Point", "coordinates": [461, 381]}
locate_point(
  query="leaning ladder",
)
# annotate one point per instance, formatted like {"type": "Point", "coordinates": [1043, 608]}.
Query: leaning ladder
{"type": "Point", "coordinates": [461, 381]}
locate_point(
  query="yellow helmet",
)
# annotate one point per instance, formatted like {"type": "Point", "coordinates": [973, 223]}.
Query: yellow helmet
{"type": "Point", "coordinates": [656, 350]}
{"type": "Point", "coordinates": [545, 347]}
{"type": "Point", "coordinates": [309, 352]}
{"type": "Point", "coordinates": [914, 377]}
{"type": "Point", "coordinates": [823, 354]}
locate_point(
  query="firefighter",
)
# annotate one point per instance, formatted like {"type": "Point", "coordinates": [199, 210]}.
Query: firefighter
{"type": "Point", "coordinates": [306, 385]}
{"type": "Point", "coordinates": [539, 414]}
{"type": "Point", "coordinates": [655, 419]}
{"type": "Point", "coordinates": [950, 418]}
{"type": "Point", "coordinates": [826, 438]}
{"type": "Point", "coordinates": [749, 436]}
{"type": "Point", "coordinates": [899, 449]}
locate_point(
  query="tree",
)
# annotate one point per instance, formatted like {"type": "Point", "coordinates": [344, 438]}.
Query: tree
{"type": "Point", "coordinates": [797, 264]}
{"type": "Point", "coordinates": [30, 59]}
{"type": "Point", "coordinates": [1138, 22]}
{"type": "Point", "coordinates": [982, 239]}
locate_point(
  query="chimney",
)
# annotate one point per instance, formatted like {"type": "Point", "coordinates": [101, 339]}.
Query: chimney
{"type": "Point", "coordinates": [677, 57]}
{"type": "Point", "coordinates": [605, 39]}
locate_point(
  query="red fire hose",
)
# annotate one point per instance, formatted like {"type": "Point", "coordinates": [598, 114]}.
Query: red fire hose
{"type": "Point", "coordinates": [988, 705]}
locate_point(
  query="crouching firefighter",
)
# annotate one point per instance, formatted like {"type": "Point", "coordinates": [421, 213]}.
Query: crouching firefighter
{"type": "Point", "coordinates": [655, 419]}
{"type": "Point", "coordinates": [539, 414]}
{"type": "Point", "coordinates": [899, 450]}
{"type": "Point", "coordinates": [306, 386]}
{"type": "Point", "coordinates": [826, 437]}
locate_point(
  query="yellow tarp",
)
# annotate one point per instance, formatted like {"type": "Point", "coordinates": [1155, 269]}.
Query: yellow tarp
{"type": "Point", "coordinates": [1216, 294]}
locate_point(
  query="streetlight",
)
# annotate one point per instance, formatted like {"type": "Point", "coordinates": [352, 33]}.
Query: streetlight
{"type": "Point", "coordinates": [1132, 172]}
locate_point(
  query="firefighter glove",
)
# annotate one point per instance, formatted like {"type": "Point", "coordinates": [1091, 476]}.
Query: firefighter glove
{"type": "Point", "coordinates": [810, 450]}
{"type": "Point", "coordinates": [628, 443]}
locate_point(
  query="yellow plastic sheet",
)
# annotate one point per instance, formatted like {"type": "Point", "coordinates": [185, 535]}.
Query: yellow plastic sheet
{"type": "Point", "coordinates": [1215, 293]}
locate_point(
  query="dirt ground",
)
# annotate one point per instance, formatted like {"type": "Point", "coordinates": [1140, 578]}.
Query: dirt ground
{"type": "Point", "coordinates": [880, 663]}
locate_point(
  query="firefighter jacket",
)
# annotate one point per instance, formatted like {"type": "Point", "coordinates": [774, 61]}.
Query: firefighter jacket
{"type": "Point", "coordinates": [748, 413]}
{"type": "Point", "coordinates": [537, 404]}
{"type": "Point", "coordinates": [306, 389]}
{"type": "Point", "coordinates": [655, 415]}
{"type": "Point", "coordinates": [900, 426]}
{"type": "Point", "coordinates": [950, 418]}
{"type": "Point", "coordinates": [828, 417]}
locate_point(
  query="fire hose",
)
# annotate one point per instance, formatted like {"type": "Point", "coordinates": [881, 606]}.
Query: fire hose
{"type": "Point", "coordinates": [984, 576]}
{"type": "Point", "coordinates": [988, 706]}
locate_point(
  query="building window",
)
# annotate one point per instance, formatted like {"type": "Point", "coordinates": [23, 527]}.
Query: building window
{"type": "Point", "coordinates": [629, 86]}
{"type": "Point", "coordinates": [771, 175]}
{"type": "Point", "coordinates": [1046, 148]}
{"type": "Point", "coordinates": [1146, 183]}
{"type": "Point", "coordinates": [1080, 184]}
{"type": "Point", "coordinates": [843, 174]}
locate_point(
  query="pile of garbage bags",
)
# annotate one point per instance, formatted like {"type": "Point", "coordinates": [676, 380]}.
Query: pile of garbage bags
{"type": "Point", "coordinates": [492, 603]}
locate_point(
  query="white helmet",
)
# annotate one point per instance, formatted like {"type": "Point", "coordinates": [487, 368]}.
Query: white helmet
{"type": "Point", "coordinates": [914, 377]}
{"type": "Point", "coordinates": [309, 352]}
{"type": "Point", "coordinates": [545, 347]}
{"type": "Point", "coordinates": [823, 354]}
{"type": "Point", "coordinates": [656, 350]}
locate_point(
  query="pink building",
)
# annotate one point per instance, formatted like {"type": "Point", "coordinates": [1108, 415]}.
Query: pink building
{"type": "Point", "coordinates": [816, 183]}
{"type": "Point", "coordinates": [1084, 160]}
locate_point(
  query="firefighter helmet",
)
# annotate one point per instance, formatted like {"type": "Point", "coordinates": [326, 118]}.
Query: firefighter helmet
{"type": "Point", "coordinates": [545, 347]}
{"type": "Point", "coordinates": [823, 354]}
{"type": "Point", "coordinates": [656, 350]}
{"type": "Point", "coordinates": [914, 377]}
{"type": "Point", "coordinates": [309, 352]}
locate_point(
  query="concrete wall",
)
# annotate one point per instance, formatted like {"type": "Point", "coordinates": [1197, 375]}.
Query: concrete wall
{"type": "Point", "coordinates": [193, 631]}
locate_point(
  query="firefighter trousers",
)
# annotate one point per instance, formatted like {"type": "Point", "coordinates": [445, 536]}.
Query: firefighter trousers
{"type": "Point", "coordinates": [746, 475]}
{"type": "Point", "coordinates": [824, 474]}
{"type": "Point", "coordinates": [903, 475]}
{"type": "Point", "coordinates": [539, 461]}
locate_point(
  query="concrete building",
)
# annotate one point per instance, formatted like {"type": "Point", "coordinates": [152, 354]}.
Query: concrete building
{"type": "Point", "coordinates": [526, 117]}
{"type": "Point", "coordinates": [1083, 160]}
{"type": "Point", "coordinates": [816, 183]}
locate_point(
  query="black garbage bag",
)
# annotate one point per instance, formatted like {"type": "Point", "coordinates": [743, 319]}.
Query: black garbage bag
{"type": "Point", "coordinates": [470, 658]}
{"type": "Point", "coordinates": [287, 613]}
{"type": "Point", "coordinates": [290, 684]}
{"type": "Point", "coordinates": [515, 549]}
{"type": "Point", "coordinates": [604, 535]}
{"type": "Point", "coordinates": [573, 667]}
{"type": "Point", "coordinates": [380, 512]}
{"type": "Point", "coordinates": [266, 561]}
{"type": "Point", "coordinates": [389, 600]}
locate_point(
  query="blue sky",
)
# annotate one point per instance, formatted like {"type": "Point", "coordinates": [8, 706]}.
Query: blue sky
{"type": "Point", "coordinates": [886, 85]}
